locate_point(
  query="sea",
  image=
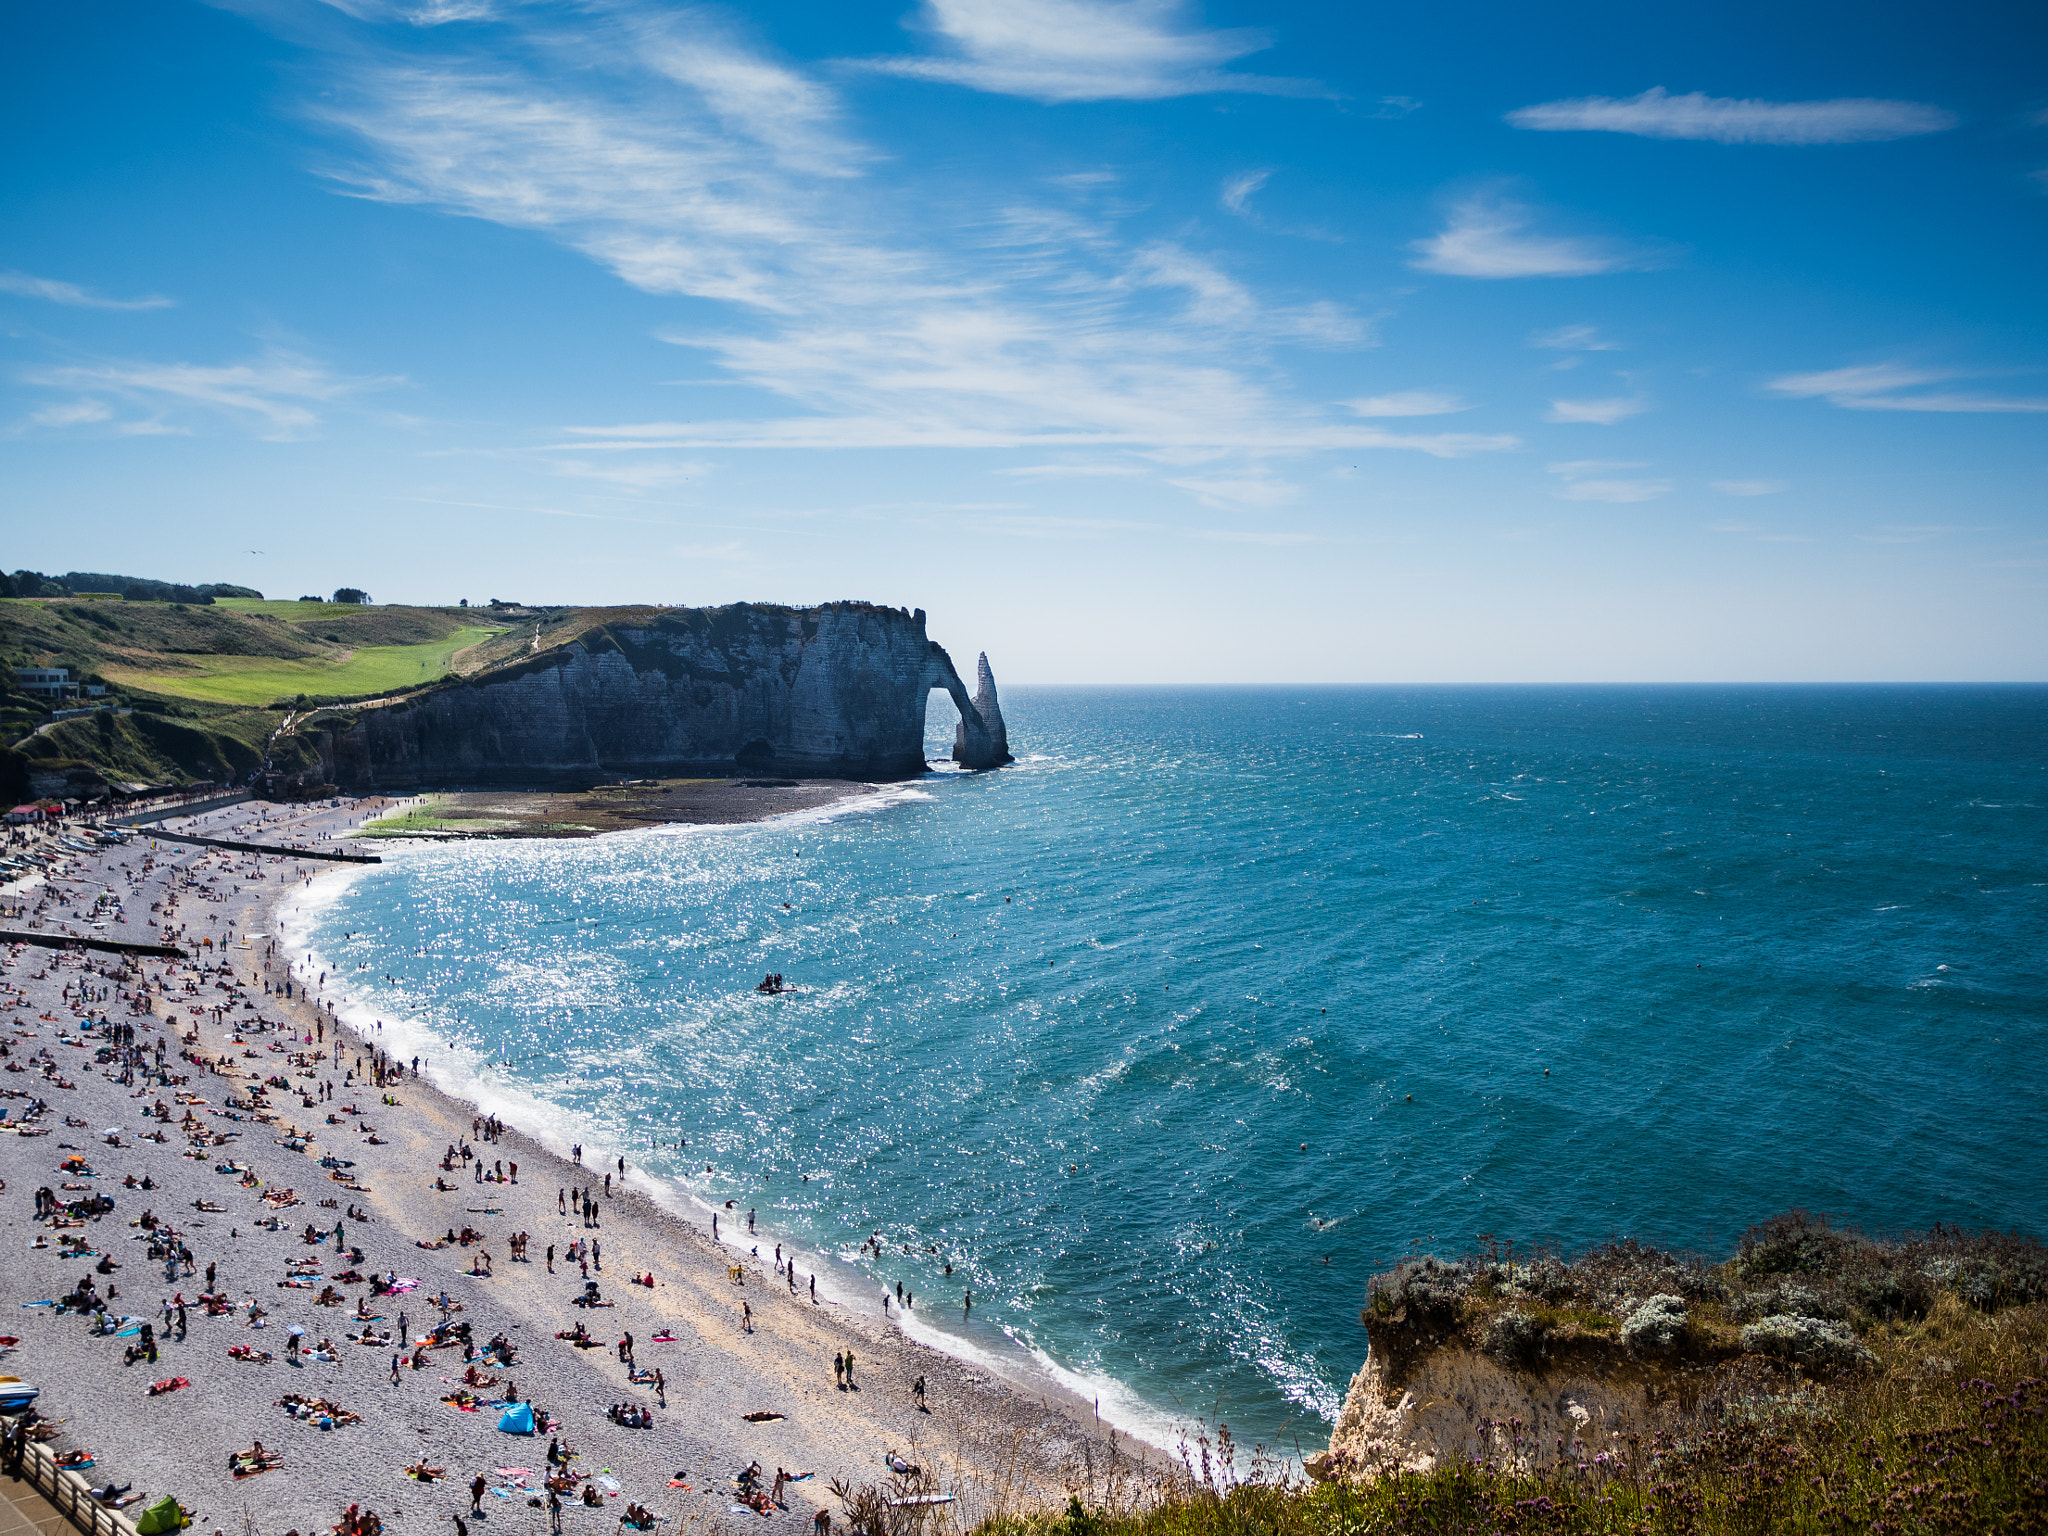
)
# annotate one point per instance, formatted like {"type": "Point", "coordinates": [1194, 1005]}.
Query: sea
{"type": "Point", "coordinates": [1158, 1044]}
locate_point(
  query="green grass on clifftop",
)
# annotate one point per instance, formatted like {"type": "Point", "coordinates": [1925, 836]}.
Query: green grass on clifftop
{"type": "Point", "coordinates": [364, 669]}
{"type": "Point", "coordinates": [1930, 1415]}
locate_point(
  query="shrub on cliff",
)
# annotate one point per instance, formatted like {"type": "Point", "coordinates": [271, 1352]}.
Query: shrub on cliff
{"type": "Point", "coordinates": [1788, 1298]}
{"type": "Point", "coordinates": [1988, 1270]}
{"type": "Point", "coordinates": [1426, 1289]}
{"type": "Point", "coordinates": [1898, 1277]}
{"type": "Point", "coordinates": [1655, 1327]}
{"type": "Point", "coordinates": [1812, 1341]}
{"type": "Point", "coordinates": [1517, 1339]}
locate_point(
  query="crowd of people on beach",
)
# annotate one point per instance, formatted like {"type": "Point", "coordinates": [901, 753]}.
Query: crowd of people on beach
{"type": "Point", "coordinates": [238, 1045]}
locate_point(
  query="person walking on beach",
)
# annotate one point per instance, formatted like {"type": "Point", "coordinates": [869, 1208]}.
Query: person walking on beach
{"type": "Point", "coordinates": [849, 1371]}
{"type": "Point", "coordinates": [746, 1318]}
{"type": "Point", "coordinates": [394, 1370]}
{"type": "Point", "coordinates": [561, 1202]}
{"type": "Point", "coordinates": [551, 1258]}
{"type": "Point", "coordinates": [476, 1494]}
{"type": "Point", "coordinates": [839, 1370]}
{"type": "Point", "coordinates": [660, 1387]}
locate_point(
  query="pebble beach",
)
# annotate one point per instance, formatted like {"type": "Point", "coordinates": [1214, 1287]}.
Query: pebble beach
{"type": "Point", "coordinates": [243, 1133]}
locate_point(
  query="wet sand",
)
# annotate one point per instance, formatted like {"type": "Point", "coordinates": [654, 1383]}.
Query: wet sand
{"type": "Point", "coordinates": [609, 808]}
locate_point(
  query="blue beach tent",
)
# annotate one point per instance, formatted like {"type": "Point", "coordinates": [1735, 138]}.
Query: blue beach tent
{"type": "Point", "coordinates": [517, 1419]}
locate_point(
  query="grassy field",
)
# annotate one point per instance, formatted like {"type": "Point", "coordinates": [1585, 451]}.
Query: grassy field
{"type": "Point", "coordinates": [260, 679]}
{"type": "Point", "coordinates": [282, 608]}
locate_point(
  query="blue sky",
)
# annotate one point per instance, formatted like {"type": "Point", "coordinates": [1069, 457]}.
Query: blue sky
{"type": "Point", "coordinates": [1136, 341]}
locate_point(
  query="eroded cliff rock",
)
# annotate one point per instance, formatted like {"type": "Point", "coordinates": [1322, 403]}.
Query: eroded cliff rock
{"type": "Point", "coordinates": [991, 749]}
{"type": "Point", "coordinates": [1458, 1405]}
{"type": "Point", "coordinates": [837, 690]}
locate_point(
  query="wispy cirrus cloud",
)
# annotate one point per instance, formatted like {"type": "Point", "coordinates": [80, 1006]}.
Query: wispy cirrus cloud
{"type": "Point", "coordinates": [1491, 237]}
{"type": "Point", "coordinates": [274, 395]}
{"type": "Point", "coordinates": [1750, 487]}
{"type": "Point", "coordinates": [1596, 480]}
{"type": "Point", "coordinates": [1574, 338]}
{"type": "Point", "coordinates": [1227, 493]}
{"type": "Point", "coordinates": [690, 163]}
{"type": "Point", "coordinates": [1073, 471]}
{"type": "Point", "coordinates": [1237, 191]}
{"type": "Point", "coordinates": [56, 292]}
{"type": "Point", "coordinates": [1084, 50]}
{"type": "Point", "coordinates": [1899, 387]}
{"type": "Point", "coordinates": [1598, 413]}
{"type": "Point", "coordinates": [1409, 402]}
{"type": "Point", "coordinates": [1657, 114]}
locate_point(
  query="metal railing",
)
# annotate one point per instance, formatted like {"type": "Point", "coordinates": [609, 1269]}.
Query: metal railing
{"type": "Point", "coordinates": [71, 1495]}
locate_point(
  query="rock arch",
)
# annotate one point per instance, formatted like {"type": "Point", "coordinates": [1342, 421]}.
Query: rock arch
{"type": "Point", "coordinates": [980, 740]}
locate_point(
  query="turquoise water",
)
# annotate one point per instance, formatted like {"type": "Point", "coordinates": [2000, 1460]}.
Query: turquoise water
{"type": "Point", "coordinates": [1221, 999]}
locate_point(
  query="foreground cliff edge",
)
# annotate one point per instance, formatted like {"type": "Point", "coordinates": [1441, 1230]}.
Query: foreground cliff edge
{"type": "Point", "coordinates": [1545, 1366]}
{"type": "Point", "coordinates": [833, 691]}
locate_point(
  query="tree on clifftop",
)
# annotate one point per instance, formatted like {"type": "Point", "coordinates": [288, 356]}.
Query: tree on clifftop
{"type": "Point", "coordinates": [351, 595]}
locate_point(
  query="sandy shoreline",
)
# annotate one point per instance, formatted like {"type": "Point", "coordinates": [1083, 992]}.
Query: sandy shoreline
{"type": "Point", "coordinates": [987, 1441]}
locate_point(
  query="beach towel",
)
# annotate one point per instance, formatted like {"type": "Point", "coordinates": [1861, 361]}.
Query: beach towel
{"type": "Point", "coordinates": [517, 1420]}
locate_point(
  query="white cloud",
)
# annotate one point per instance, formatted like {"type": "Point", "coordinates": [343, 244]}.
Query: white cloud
{"type": "Point", "coordinates": [1594, 466]}
{"type": "Point", "coordinates": [419, 13]}
{"type": "Point", "coordinates": [1489, 237]}
{"type": "Point", "coordinates": [1408, 402]}
{"type": "Point", "coordinates": [1599, 413]}
{"type": "Point", "coordinates": [1749, 487]}
{"type": "Point", "coordinates": [1574, 338]}
{"type": "Point", "coordinates": [77, 414]}
{"type": "Point", "coordinates": [274, 394]}
{"type": "Point", "coordinates": [1073, 471]}
{"type": "Point", "coordinates": [637, 476]}
{"type": "Point", "coordinates": [1229, 494]}
{"type": "Point", "coordinates": [1594, 480]}
{"type": "Point", "coordinates": [1084, 50]}
{"type": "Point", "coordinates": [1657, 114]}
{"type": "Point", "coordinates": [689, 164]}
{"type": "Point", "coordinates": [56, 292]}
{"type": "Point", "coordinates": [1963, 404]}
{"type": "Point", "coordinates": [1614, 490]}
{"type": "Point", "coordinates": [1236, 189]}
{"type": "Point", "coordinates": [1881, 386]}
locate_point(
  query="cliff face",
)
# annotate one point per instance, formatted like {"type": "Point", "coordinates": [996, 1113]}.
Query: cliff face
{"type": "Point", "coordinates": [1457, 1406]}
{"type": "Point", "coordinates": [838, 690]}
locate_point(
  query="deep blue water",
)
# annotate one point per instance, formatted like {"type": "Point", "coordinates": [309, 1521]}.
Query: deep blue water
{"type": "Point", "coordinates": [1071, 1024]}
